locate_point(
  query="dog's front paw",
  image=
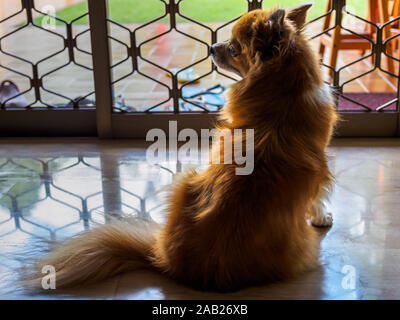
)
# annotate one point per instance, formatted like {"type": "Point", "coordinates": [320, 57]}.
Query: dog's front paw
{"type": "Point", "coordinates": [322, 220]}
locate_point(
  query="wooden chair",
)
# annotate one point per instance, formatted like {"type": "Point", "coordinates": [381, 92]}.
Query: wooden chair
{"type": "Point", "coordinates": [385, 15]}
{"type": "Point", "coordinates": [378, 12]}
{"type": "Point", "coordinates": [394, 28]}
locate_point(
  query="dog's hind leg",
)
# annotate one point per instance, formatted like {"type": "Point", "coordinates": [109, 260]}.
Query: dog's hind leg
{"type": "Point", "coordinates": [320, 217]}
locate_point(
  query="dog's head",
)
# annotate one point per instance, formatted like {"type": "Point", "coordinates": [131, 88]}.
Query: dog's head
{"type": "Point", "coordinates": [259, 35]}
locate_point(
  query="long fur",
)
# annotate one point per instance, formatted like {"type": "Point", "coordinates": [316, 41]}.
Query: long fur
{"type": "Point", "coordinates": [97, 254]}
{"type": "Point", "coordinates": [225, 231]}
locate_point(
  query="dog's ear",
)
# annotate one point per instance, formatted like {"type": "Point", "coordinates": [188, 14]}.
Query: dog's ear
{"type": "Point", "coordinates": [267, 34]}
{"type": "Point", "coordinates": [298, 15]}
{"type": "Point", "coordinates": [264, 29]}
{"type": "Point", "coordinates": [276, 18]}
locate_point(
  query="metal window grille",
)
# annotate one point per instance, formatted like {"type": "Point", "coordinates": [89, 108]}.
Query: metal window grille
{"type": "Point", "coordinates": [105, 119]}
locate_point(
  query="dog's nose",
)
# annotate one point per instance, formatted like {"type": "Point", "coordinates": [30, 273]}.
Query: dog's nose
{"type": "Point", "coordinates": [212, 50]}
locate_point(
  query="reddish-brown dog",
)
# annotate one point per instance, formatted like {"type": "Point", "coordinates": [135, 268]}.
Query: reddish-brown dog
{"type": "Point", "coordinates": [226, 231]}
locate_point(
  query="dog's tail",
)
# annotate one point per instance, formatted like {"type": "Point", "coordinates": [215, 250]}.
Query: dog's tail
{"type": "Point", "coordinates": [98, 254]}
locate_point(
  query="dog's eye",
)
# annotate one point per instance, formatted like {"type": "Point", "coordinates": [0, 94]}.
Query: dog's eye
{"type": "Point", "coordinates": [232, 51]}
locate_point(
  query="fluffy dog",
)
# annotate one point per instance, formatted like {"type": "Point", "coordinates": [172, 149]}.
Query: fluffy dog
{"type": "Point", "coordinates": [226, 231]}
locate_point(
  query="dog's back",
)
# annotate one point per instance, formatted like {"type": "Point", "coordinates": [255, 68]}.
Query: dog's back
{"type": "Point", "coordinates": [227, 231]}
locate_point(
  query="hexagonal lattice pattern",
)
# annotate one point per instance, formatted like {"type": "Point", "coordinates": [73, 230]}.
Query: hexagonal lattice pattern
{"type": "Point", "coordinates": [157, 54]}
{"type": "Point", "coordinates": [37, 58]}
{"type": "Point", "coordinates": [348, 72]}
{"type": "Point", "coordinates": [150, 58]}
{"type": "Point", "coordinates": [162, 51]}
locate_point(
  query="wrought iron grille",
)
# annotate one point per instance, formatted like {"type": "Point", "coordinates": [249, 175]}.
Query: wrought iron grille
{"type": "Point", "coordinates": [172, 10]}
{"type": "Point", "coordinates": [37, 77]}
{"type": "Point", "coordinates": [378, 46]}
{"type": "Point", "coordinates": [110, 70]}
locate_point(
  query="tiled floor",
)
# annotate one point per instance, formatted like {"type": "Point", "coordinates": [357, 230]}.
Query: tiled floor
{"type": "Point", "coordinates": [53, 189]}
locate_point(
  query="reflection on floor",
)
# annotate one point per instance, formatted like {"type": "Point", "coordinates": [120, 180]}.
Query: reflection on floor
{"type": "Point", "coordinates": [54, 189]}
